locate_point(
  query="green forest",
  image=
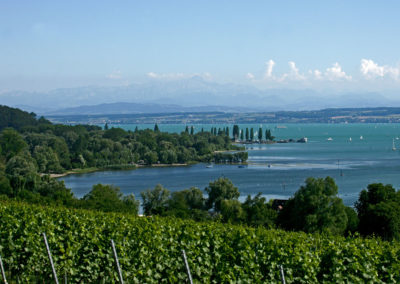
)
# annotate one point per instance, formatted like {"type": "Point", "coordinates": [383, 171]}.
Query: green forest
{"type": "Point", "coordinates": [31, 148]}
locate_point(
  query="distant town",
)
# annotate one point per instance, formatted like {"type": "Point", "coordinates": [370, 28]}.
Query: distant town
{"type": "Point", "coordinates": [334, 115]}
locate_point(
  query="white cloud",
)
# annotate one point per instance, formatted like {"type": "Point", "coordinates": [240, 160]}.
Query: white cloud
{"type": "Point", "coordinates": [250, 76]}
{"type": "Point", "coordinates": [371, 70]}
{"type": "Point", "coordinates": [206, 75]}
{"type": "Point", "coordinates": [270, 66]}
{"type": "Point", "coordinates": [335, 73]}
{"type": "Point", "coordinates": [317, 74]}
{"type": "Point", "coordinates": [165, 75]}
{"type": "Point", "coordinates": [117, 74]}
{"type": "Point", "coordinates": [294, 72]}
{"type": "Point", "coordinates": [174, 76]}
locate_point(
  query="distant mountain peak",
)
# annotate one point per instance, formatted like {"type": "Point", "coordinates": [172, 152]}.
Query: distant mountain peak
{"type": "Point", "coordinates": [191, 92]}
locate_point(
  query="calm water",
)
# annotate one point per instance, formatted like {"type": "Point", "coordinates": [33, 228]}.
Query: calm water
{"type": "Point", "coordinates": [353, 164]}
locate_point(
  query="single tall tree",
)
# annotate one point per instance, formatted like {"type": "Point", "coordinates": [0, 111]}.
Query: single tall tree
{"type": "Point", "coordinates": [378, 209]}
{"type": "Point", "coordinates": [315, 207]}
{"type": "Point", "coordinates": [268, 135]}
{"type": "Point", "coordinates": [235, 131]}
{"type": "Point", "coordinates": [219, 190]}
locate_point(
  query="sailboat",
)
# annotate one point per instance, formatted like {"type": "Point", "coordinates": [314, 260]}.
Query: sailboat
{"type": "Point", "coordinates": [394, 146]}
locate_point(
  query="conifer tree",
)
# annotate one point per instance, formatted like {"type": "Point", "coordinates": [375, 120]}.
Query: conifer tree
{"type": "Point", "coordinates": [235, 131]}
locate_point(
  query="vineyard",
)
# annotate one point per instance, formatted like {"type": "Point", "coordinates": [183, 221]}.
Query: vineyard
{"type": "Point", "coordinates": [150, 250]}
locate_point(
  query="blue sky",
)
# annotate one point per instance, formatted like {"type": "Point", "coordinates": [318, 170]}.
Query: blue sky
{"type": "Point", "coordinates": [269, 44]}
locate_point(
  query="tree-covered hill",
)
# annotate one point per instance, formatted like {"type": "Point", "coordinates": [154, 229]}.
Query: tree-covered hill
{"type": "Point", "coordinates": [30, 148]}
{"type": "Point", "coordinates": [16, 118]}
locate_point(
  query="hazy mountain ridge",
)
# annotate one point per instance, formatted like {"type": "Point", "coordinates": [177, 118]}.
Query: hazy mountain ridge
{"type": "Point", "coordinates": [133, 108]}
{"type": "Point", "coordinates": [181, 95]}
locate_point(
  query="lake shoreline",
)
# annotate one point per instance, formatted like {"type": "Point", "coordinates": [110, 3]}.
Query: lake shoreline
{"type": "Point", "coordinates": [137, 166]}
{"type": "Point", "coordinates": [134, 167]}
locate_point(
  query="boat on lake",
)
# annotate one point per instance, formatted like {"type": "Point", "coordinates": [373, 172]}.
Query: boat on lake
{"type": "Point", "coordinates": [329, 139]}
{"type": "Point", "coordinates": [393, 146]}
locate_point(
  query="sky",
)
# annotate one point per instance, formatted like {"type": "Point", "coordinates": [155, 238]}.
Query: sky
{"type": "Point", "coordinates": [335, 45]}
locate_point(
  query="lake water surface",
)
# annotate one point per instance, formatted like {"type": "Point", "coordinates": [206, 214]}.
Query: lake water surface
{"type": "Point", "coordinates": [277, 170]}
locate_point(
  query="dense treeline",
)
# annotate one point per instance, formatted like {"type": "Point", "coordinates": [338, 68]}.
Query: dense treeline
{"type": "Point", "coordinates": [16, 118]}
{"type": "Point", "coordinates": [30, 148]}
{"type": "Point", "coordinates": [314, 208]}
{"type": "Point", "coordinates": [246, 135]}
{"type": "Point", "coordinates": [56, 148]}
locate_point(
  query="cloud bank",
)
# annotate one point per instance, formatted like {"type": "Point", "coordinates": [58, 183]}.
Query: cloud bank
{"type": "Point", "coordinates": [175, 76]}
{"type": "Point", "coordinates": [369, 71]}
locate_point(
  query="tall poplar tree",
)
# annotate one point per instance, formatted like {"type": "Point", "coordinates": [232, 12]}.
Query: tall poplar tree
{"type": "Point", "coordinates": [235, 131]}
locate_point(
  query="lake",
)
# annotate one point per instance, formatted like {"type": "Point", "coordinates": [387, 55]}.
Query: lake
{"type": "Point", "coordinates": [355, 155]}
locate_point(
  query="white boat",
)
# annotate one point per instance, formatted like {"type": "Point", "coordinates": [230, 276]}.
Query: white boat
{"type": "Point", "coordinates": [209, 166]}
{"type": "Point", "coordinates": [361, 137]}
{"type": "Point", "coordinates": [350, 139]}
{"type": "Point", "coordinates": [393, 146]}
{"type": "Point", "coordinates": [329, 139]}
